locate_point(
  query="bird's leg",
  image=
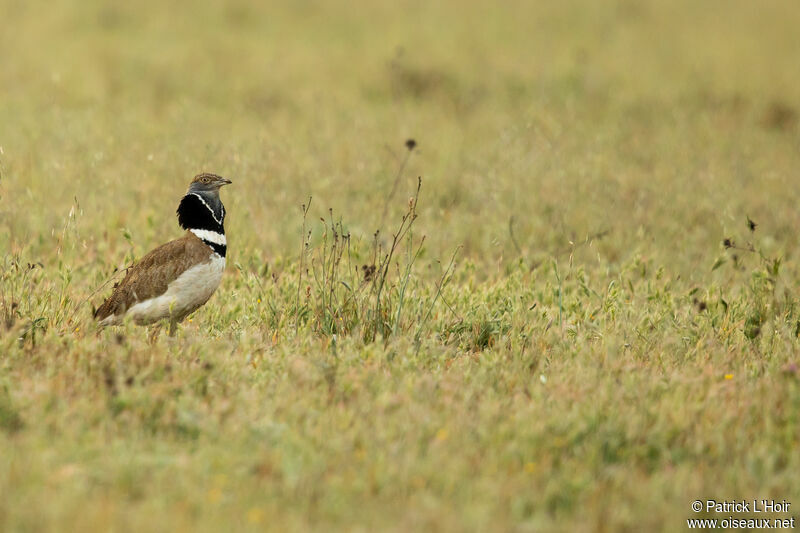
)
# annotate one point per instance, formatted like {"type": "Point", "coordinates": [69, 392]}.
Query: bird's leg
{"type": "Point", "coordinates": [173, 327]}
{"type": "Point", "coordinates": [154, 331]}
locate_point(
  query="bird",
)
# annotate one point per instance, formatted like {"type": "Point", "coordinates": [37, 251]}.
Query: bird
{"type": "Point", "coordinates": [178, 277]}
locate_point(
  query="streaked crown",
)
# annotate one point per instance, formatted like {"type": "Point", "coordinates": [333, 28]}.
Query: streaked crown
{"type": "Point", "coordinates": [207, 182]}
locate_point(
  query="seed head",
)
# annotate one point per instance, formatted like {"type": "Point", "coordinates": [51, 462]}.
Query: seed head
{"type": "Point", "coordinates": [369, 272]}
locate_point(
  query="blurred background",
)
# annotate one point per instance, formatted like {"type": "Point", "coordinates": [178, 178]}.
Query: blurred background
{"type": "Point", "coordinates": [662, 122]}
{"type": "Point", "coordinates": [606, 390]}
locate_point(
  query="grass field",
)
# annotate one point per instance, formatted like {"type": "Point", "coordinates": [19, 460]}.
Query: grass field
{"type": "Point", "coordinates": [560, 340]}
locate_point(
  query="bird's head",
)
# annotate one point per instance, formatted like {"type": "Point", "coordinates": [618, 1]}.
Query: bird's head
{"type": "Point", "coordinates": [206, 183]}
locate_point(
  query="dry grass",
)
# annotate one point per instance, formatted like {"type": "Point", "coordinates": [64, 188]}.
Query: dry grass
{"type": "Point", "coordinates": [557, 339]}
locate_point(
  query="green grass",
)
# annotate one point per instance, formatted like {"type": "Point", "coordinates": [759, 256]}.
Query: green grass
{"type": "Point", "coordinates": [560, 340]}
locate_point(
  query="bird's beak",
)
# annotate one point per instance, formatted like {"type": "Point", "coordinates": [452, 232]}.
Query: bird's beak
{"type": "Point", "coordinates": [224, 181]}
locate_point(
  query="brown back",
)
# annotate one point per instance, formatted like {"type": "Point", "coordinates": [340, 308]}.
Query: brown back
{"type": "Point", "coordinates": [152, 275]}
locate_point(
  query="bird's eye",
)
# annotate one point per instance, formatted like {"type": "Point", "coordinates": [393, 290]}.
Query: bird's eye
{"type": "Point", "coordinates": [205, 180]}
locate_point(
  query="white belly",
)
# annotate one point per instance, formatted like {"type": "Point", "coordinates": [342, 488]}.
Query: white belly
{"type": "Point", "coordinates": [189, 291]}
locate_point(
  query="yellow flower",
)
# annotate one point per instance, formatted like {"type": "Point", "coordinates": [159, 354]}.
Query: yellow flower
{"type": "Point", "coordinates": [728, 376]}
{"type": "Point", "coordinates": [255, 515]}
{"type": "Point", "coordinates": [441, 435]}
{"type": "Point", "coordinates": [530, 467]}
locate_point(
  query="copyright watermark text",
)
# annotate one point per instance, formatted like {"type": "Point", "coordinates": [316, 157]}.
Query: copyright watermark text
{"type": "Point", "coordinates": [756, 509]}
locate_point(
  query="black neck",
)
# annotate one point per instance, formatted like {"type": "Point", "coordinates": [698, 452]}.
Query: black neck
{"type": "Point", "coordinates": [206, 216]}
{"type": "Point", "coordinates": [221, 249]}
{"type": "Point", "coordinates": [198, 211]}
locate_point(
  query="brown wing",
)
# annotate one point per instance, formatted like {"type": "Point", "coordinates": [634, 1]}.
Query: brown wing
{"type": "Point", "coordinates": [152, 275]}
